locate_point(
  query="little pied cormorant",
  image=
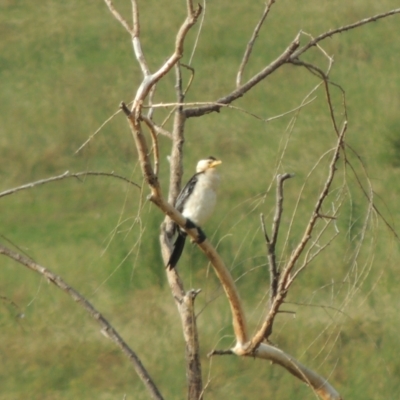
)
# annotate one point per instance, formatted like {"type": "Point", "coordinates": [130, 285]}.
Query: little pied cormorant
{"type": "Point", "coordinates": [196, 202]}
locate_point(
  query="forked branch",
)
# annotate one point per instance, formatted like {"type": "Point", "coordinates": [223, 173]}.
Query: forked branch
{"type": "Point", "coordinates": [292, 53]}
{"type": "Point", "coordinates": [157, 198]}
{"type": "Point", "coordinates": [285, 279]}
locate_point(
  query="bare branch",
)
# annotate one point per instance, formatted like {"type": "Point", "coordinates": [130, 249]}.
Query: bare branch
{"type": "Point", "coordinates": [242, 90]}
{"type": "Point", "coordinates": [185, 304]}
{"type": "Point", "coordinates": [65, 175]}
{"type": "Point", "coordinates": [180, 38]}
{"type": "Point", "coordinates": [151, 80]}
{"type": "Point", "coordinates": [284, 280]}
{"type": "Point", "coordinates": [302, 105]}
{"type": "Point", "coordinates": [178, 84]}
{"type": "Point", "coordinates": [319, 384]}
{"type": "Point", "coordinates": [344, 28]}
{"type": "Point", "coordinates": [271, 243]}
{"type": "Point", "coordinates": [274, 272]}
{"type": "Point", "coordinates": [137, 48]}
{"type": "Point", "coordinates": [324, 76]}
{"type": "Point", "coordinates": [290, 54]}
{"type": "Point", "coordinates": [316, 212]}
{"type": "Point", "coordinates": [106, 328]}
{"type": "Point", "coordinates": [280, 179]}
{"type": "Point", "coordinates": [135, 18]}
{"type": "Point", "coordinates": [249, 47]}
{"type": "Point", "coordinates": [118, 16]}
{"type": "Point", "coordinates": [268, 352]}
{"type": "Point", "coordinates": [97, 131]}
{"type": "Point", "coordinates": [198, 32]}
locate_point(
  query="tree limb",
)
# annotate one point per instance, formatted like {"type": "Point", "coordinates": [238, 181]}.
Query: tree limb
{"type": "Point", "coordinates": [151, 79]}
{"type": "Point", "coordinates": [318, 383]}
{"type": "Point", "coordinates": [284, 280]}
{"type": "Point", "coordinates": [65, 175]}
{"type": "Point", "coordinates": [107, 329]}
{"type": "Point", "coordinates": [242, 90]}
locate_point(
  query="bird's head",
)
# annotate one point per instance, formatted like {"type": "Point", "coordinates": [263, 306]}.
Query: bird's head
{"type": "Point", "coordinates": [208, 163]}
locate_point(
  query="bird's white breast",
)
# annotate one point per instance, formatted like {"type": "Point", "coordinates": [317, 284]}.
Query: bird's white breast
{"type": "Point", "coordinates": [201, 203]}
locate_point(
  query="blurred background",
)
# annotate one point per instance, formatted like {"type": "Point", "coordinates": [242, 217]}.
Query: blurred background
{"type": "Point", "coordinates": [64, 69]}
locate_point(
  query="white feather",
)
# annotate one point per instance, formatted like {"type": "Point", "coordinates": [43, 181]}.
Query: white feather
{"type": "Point", "coordinates": [200, 205]}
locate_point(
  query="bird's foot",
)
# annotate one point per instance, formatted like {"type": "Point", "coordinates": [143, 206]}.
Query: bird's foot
{"type": "Point", "coordinates": [201, 236]}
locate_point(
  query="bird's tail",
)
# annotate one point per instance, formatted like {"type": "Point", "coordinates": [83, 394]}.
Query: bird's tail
{"type": "Point", "coordinates": [177, 251]}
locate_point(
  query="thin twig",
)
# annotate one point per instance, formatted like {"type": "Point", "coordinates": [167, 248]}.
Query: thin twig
{"type": "Point", "coordinates": [271, 243]}
{"type": "Point", "coordinates": [274, 272]}
{"type": "Point", "coordinates": [325, 78]}
{"type": "Point", "coordinates": [196, 41]}
{"type": "Point", "coordinates": [65, 175]}
{"type": "Point", "coordinates": [302, 105]}
{"type": "Point", "coordinates": [97, 131]}
{"type": "Point", "coordinates": [280, 179]}
{"type": "Point", "coordinates": [166, 119]}
{"type": "Point", "coordinates": [106, 328]}
{"type": "Point", "coordinates": [341, 29]}
{"type": "Point", "coordinates": [250, 44]}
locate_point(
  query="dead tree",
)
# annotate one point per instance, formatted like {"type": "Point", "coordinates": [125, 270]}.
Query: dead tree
{"type": "Point", "coordinates": [145, 129]}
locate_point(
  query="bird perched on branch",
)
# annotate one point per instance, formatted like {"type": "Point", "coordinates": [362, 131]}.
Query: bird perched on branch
{"type": "Point", "coordinates": [196, 202]}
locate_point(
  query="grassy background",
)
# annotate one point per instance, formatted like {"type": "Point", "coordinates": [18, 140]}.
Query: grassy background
{"type": "Point", "coordinates": [64, 68]}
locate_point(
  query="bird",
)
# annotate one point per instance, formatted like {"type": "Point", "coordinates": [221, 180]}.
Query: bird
{"type": "Point", "coordinates": [196, 202]}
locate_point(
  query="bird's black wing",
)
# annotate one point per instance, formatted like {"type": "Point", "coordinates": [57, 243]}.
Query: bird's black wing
{"type": "Point", "coordinates": [180, 205]}
{"type": "Point", "coordinates": [186, 192]}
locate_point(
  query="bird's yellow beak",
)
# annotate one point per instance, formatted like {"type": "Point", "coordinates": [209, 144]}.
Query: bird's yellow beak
{"type": "Point", "coordinates": [215, 163]}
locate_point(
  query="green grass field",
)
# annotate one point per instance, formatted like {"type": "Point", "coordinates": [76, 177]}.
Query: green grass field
{"type": "Point", "coordinates": [64, 69]}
